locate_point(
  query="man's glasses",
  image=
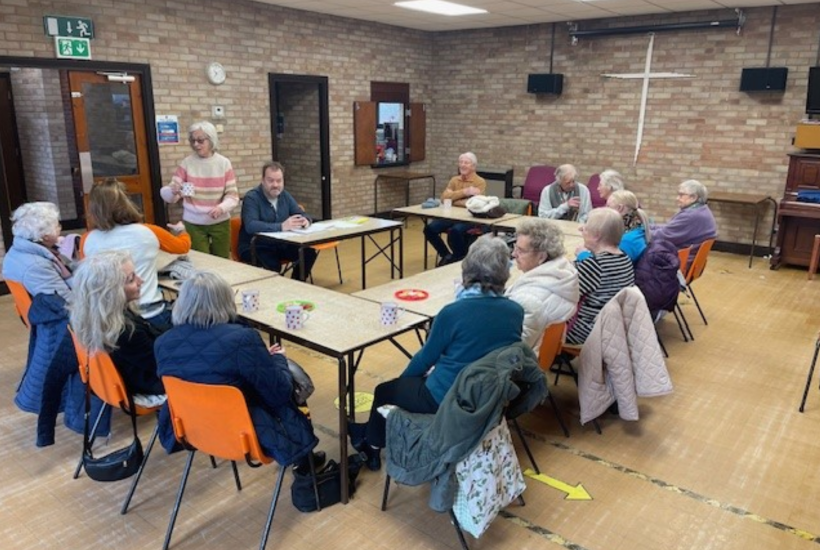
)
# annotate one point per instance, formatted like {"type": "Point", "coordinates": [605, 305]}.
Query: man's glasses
{"type": "Point", "coordinates": [200, 141]}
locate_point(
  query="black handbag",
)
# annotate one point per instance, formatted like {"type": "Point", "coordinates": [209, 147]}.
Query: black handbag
{"type": "Point", "coordinates": [122, 463]}
{"type": "Point", "coordinates": [329, 482]}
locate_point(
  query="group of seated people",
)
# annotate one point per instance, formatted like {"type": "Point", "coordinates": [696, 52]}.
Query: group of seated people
{"type": "Point", "coordinates": [549, 290]}
{"type": "Point", "coordinates": [114, 303]}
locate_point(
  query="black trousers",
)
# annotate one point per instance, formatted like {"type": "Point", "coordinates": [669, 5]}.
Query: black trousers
{"type": "Point", "coordinates": [269, 255]}
{"type": "Point", "coordinates": [410, 393]}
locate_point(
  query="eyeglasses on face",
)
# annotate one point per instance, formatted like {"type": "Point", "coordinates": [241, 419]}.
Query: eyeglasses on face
{"type": "Point", "coordinates": [520, 250]}
{"type": "Point", "coordinates": [200, 141]}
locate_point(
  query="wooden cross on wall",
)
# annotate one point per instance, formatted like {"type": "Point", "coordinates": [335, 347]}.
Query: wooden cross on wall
{"type": "Point", "coordinates": [646, 75]}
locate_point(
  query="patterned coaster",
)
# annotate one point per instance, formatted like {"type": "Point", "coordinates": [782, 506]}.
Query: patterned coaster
{"type": "Point", "coordinates": [412, 294]}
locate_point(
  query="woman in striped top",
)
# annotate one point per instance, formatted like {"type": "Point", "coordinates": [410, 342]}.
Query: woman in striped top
{"type": "Point", "coordinates": [602, 275]}
{"type": "Point", "coordinates": [206, 183]}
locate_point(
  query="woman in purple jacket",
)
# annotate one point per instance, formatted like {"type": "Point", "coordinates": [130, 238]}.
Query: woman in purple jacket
{"type": "Point", "coordinates": [693, 224]}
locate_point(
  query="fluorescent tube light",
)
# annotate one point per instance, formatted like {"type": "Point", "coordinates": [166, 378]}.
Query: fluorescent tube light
{"type": "Point", "coordinates": [439, 7]}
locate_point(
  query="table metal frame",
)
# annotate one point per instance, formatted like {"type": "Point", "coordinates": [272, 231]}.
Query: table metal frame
{"type": "Point", "coordinates": [406, 177]}
{"type": "Point", "coordinates": [759, 202]}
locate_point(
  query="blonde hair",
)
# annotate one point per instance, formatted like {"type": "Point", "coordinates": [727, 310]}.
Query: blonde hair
{"type": "Point", "coordinates": [634, 215]}
{"type": "Point", "coordinates": [97, 303]}
{"type": "Point", "coordinates": [606, 224]}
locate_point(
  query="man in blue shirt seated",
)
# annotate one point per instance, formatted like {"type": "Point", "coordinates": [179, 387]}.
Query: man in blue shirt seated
{"type": "Point", "coordinates": [269, 208]}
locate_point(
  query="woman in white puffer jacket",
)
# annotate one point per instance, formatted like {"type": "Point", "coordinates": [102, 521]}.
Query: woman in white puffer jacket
{"type": "Point", "coordinates": [548, 286]}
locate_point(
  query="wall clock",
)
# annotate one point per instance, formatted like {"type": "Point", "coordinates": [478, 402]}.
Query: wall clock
{"type": "Point", "coordinates": [216, 73]}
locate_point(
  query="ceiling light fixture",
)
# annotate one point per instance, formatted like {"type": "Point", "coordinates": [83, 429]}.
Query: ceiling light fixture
{"type": "Point", "coordinates": [439, 7]}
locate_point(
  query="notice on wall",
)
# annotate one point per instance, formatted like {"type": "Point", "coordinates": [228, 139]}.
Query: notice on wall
{"type": "Point", "coordinates": [167, 129]}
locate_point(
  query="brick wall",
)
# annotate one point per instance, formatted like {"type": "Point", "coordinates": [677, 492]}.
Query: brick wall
{"type": "Point", "coordinates": [701, 128]}
{"type": "Point", "coordinates": [44, 148]}
{"type": "Point", "coordinates": [474, 84]}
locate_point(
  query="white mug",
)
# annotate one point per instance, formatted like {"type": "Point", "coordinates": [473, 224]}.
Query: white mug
{"type": "Point", "coordinates": [295, 317]}
{"type": "Point", "coordinates": [187, 189]}
{"type": "Point", "coordinates": [250, 301]}
{"type": "Point", "coordinates": [390, 313]}
{"type": "Point", "coordinates": [448, 203]}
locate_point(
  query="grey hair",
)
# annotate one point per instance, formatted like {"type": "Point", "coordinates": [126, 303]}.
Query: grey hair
{"type": "Point", "coordinates": [487, 264]}
{"type": "Point", "coordinates": [565, 170]}
{"type": "Point", "coordinates": [607, 224]}
{"type": "Point", "coordinates": [205, 300]}
{"type": "Point", "coordinates": [34, 220]}
{"type": "Point", "coordinates": [696, 189]}
{"type": "Point", "coordinates": [628, 200]}
{"type": "Point", "coordinates": [612, 180]}
{"type": "Point", "coordinates": [209, 130]}
{"type": "Point", "coordinates": [544, 236]}
{"type": "Point", "coordinates": [471, 157]}
{"type": "Point", "coordinates": [97, 303]}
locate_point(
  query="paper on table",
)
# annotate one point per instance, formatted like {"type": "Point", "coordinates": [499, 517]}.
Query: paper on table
{"type": "Point", "coordinates": [314, 228]}
{"type": "Point", "coordinates": [351, 222]}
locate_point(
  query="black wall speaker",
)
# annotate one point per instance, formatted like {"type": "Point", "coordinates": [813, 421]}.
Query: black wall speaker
{"type": "Point", "coordinates": [550, 83]}
{"type": "Point", "coordinates": [764, 79]}
{"type": "Point", "coordinates": [813, 95]}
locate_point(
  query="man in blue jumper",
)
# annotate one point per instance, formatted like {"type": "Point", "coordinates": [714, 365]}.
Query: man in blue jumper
{"type": "Point", "coordinates": [269, 208]}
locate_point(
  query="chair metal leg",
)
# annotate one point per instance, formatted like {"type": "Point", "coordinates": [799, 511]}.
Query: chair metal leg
{"type": "Point", "coordinates": [811, 373]}
{"type": "Point", "coordinates": [22, 378]}
{"type": "Point", "coordinates": [685, 324]}
{"type": "Point", "coordinates": [338, 265]}
{"type": "Point", "coordinates": [386, 491]}
{"type": "Point", "coordinates": [236, 475]}
{"type": "Point", "coordinates": [213, 461]}
{"type": "Point", "coordinates": [91, 437]}
{"type": "Point", "coordinates": [276, 491]}
{"type": "Point", "coordinates": [181, 491]}
{"type": "Point", "coordinates": [558, 414]}
{"type": "Point", "coordinates": [597, 426]}
{"type": "Point", "coordinates": [137, 477]}
{"type": "Point", "coordinates": [695, 298]}
{"type": "Point", "coordinates": [459, 532]}
{"type": "Point", "coordinates": [660, 343]}
{"type": "Point", "coordinates": [526, 445]}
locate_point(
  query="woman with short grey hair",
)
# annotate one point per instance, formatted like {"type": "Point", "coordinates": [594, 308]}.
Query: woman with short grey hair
{"type": "Point", "coordinates": [206, 347]}
{"type": "Point", "coordinates": [33, 259]}
{"type": "Point", "coordinates": [487, 265]}
{"type": "Point", "coordinates": [692, 224]}
{"type": "Point", "coordinates": [480, 320]}
{"type": "Point", "coordinates": [205, 182]}
{"type": "Point", "coordinates": [548, 286]}
{"type": "Point", "coordinates": [105, 285]}
{"type": "Point", "coordinates": [609, 182]}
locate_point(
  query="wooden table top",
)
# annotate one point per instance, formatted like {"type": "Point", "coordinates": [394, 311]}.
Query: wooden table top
{"type": "Point", "coordinates": [454, 213]}
{"type": "Point", "coordinates": [234, 273]}
{"type": "Point", "coordinates": [740, 198]}
{"type": "Point", "coordinates": [338, 323]}
{"type": "Point", "coordinates": [567, 227]}
{"type": "Point", "coordinates": [336, 230]}
{"type": "Point", "coordinates": [406, 175]}
{"type": "Point", "coordinates": [438, 283]}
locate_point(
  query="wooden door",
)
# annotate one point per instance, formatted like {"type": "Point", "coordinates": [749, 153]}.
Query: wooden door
{"type": "Point", "coordinates": [111, 140]}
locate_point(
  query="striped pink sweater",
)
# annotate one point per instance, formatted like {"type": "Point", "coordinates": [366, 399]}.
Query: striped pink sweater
{"type": "Point", "coordinates": [214, 185]}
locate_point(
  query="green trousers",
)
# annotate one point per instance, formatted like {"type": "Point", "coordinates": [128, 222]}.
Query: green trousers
{"type": "Point", "coordinates": [212, 239]}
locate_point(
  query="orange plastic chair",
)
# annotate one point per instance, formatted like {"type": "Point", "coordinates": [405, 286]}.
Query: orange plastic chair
{"type": "Point", "coordinates": [327, 246]}
{"type": "Point", "coordinates": [214, 419]}
{"type": "Point", "coordinates": [22, 300]}
{"type": "Point", "coordinates": [107, 384]}
{"type": "Point", "coordinates": [696, 270]}
{"type": "Point", "coordinates": [236, 225]}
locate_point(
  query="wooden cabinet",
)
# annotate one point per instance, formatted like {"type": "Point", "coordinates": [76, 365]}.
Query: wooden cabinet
{"type": "Point", "coordinates": [798, 222]}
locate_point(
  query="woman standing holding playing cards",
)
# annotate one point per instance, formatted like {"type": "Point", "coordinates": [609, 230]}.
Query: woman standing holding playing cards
{"type": "Point", "coordinates": [206, 183]}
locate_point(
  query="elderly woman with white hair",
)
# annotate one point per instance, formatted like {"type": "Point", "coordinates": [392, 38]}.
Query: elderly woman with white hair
{"type": "Point", "coordinates": [480, 320]}
{"type": "Point", "coordinates": [693, 223]}
{"type": "Point", "coordinates": [206, 184]}
{"type": "Point", "coordinates": [206, 346]}
{"type": "Point", "coordinates": [33, 259]}
{"type": "Point", "coordinates": [548, 286]}
{"type": "Point", "coordinates": [609, 181]}
{"type": "Point", "coordinates": [105, 285]}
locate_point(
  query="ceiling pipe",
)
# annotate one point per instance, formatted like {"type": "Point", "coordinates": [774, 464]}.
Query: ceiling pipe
{"type": "Point", "coordinates": [726, 23]}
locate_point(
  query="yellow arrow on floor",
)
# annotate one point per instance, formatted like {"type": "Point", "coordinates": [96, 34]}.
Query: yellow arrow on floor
{"type": "Point", "coordinates": [573, 493]}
